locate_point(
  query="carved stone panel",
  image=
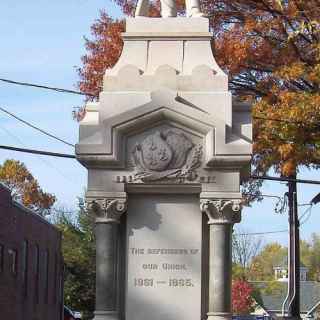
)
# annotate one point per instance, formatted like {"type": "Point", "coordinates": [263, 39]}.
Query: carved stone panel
{"type": "Point", "coordinates": [222, 211]}
{"type": "Point", "coordinates": [107, 210]}
{"type": "Point", "coordinates": [165, 153]}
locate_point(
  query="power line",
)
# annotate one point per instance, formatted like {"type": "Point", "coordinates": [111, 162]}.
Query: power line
{"type": "Point", "coordinates": [44, 153]}
{"type": "Point", "coordinates": [285, 179]}
{"type": "Point", "coordinates": [45, 161]}
{"type": "Point", "coordinates": [278, 120]}
{"type": "Point", "coordinates": [286, 121]}
{"type": "Point", "coordinates": [260, 233]}
{"type": "Point", "coordinates": [264, 195]}
{"type": "Point", "coordinates": [40, 86]}
{"type": "Point", "coordinates": [63, 155]}
{"type": "Point", "coordinates": [271, 196]}
{"type": "Point", "coordinates": [307, 214]}
{"type": "Point", "coordinates": [36, 128]}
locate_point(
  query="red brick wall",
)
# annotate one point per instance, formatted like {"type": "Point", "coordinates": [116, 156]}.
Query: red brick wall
{"type": "Point", "coordinates": [25, 295]}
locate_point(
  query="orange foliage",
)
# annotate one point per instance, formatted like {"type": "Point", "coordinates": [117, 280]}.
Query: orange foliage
{"type": "Point", "coordinates": [25, 187]}
{"type": "Point", "coordinates": [271, 51]}
{"type": "Point", "coordinates": [103, 52]}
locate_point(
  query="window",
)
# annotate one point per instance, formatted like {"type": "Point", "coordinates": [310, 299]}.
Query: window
{"type": "Point", "coordinates": [55, 281]}
{"type": "Point", "coordinates": [25, 267]}
{"type": "Point", "coordinates": [46, 275]}
{"type": "Point", "coordinates": [37, 273]}
{"type": "Point", "coordinates": [1, 257]}
{"type": "Point", "coordinates": [13, 261]}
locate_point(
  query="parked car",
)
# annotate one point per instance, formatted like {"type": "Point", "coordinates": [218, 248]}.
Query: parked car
{"type": "Point", "coordinates": [77, 315]}
{"type": "Point", "coordinates": [68, 314]}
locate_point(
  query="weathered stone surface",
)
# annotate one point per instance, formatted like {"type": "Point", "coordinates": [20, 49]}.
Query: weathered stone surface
{"type": "Point", "coordinates": [164, 258]}
{"type": "Point", "coordinates": [221, 211]}
{"type": "Point", "coordinates": [167, 154]}
{"type": "Point", "coordinates": [166, 149]}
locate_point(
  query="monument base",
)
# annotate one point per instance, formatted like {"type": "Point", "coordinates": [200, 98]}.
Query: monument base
{"type": "Point", "coordinates": [106, 315]}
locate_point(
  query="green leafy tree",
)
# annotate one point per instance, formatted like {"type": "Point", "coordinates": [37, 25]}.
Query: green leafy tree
{"type": "Point", "coordinates": [271, 255]}
{"type": "Point", "coordinates": [310, 256]}
{"type": "Point", "coordinates": [315, 258]}
{"type": "Point", "coordinates": [239, 272]}
{"type": "Point", "coordinates": [78, 248]}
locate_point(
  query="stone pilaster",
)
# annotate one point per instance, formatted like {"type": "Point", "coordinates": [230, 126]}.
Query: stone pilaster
{"type": "Point", "coordinates": [107, 218]}
{"type": "Point", "coordinates": [222, 214]}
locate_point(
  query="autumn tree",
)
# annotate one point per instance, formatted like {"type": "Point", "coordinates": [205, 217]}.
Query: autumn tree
{"type": "Point", "coordinates": [103, 51]}
{"type": "Point", "coordinates": [24, 187]}
{"type": "Point", "coordinates": [270, 50]}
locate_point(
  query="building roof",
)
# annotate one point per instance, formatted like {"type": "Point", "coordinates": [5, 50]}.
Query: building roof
{"type": "Point", "coordinates": [7, 198]}
{"type": "Point", "coordinates": [3, 187]}
{"type": "Point", "coordinates": [309, 295]}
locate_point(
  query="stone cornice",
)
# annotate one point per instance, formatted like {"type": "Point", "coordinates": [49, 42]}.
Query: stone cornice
{"type": "Point", "coordinates": [107, 210]}
{"type": "Point", "coordinates": [221, 211]}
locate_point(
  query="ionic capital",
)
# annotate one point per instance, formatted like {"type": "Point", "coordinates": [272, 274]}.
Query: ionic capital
{"type": "Point", "coordinates": [223, 211]}
{"type": "Point", "coordinates": [107, 210]}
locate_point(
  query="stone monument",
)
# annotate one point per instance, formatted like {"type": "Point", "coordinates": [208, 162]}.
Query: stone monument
{"type": "Point", "coordinates": [166, 149]}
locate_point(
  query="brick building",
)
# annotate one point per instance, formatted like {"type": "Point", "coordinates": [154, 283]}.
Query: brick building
{"type": "Point", "coordinates": [30, 264]}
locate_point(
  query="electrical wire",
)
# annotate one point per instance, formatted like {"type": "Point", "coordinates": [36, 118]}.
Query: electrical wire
{"type": "Point", "coordinates": [36, 128]}
{"type": "Point", "coordinates": [45, 161]}
{"type": "Point", "coordinates": [271, 196]}
{"type": "Point", "coordinates": [307, 214]}
{"type": "Point", "coordinates": [40, 86]}
{"type": "Point", "coordinates": [62, 90]}
{"type": "Point", "coordinates": [285, 179]}
{"type": "Point", "coordinates": [316, 124]}
{"type": "Point", "coordinates": [266, 196]}
{"type": "Point", "coordinates": [41, 152]}
{"type": "Point", "coordinates": [279, 120]}
{"type": "Point", "coordinates": [281, 201]}
{"type": "Point", "coordinates": [260, 233]}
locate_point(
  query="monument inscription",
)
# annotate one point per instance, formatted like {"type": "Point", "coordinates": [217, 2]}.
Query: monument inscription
{"type": "Point", "coordinates": [164, 258]}
{"type": "Point", "coordinates": [181, 278]}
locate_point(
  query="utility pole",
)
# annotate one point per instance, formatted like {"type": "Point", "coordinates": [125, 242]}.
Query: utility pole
{"type": "Point", "coordinates": [294, 252]}
{"type": "Point", "coordinates": [294, 241]}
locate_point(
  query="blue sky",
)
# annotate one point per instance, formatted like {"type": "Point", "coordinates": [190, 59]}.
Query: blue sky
{"type": "Point", "coordinates": [42, 42]}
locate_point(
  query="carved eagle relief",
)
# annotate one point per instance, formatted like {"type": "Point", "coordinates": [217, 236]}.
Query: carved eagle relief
{"type": "Point", "coordinates": [166, 154]}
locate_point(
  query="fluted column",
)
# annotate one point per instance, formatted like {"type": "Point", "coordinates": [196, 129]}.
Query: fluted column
{"type": "Point", "coordinates": [222, 214]}
{"type": "Point", "coordinates": [107, 218]}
